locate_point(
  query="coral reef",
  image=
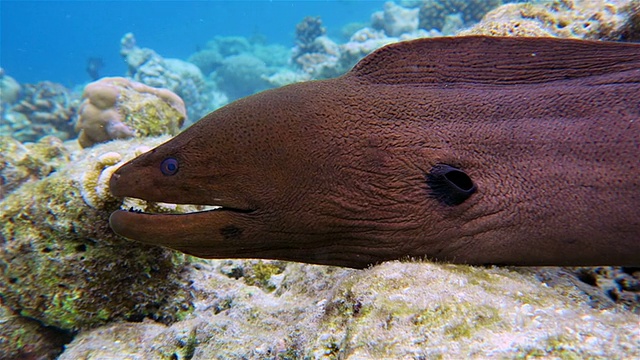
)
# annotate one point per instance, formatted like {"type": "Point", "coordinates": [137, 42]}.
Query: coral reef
{"type": "Point", "coordinates": [62, 265]}
{"type": "Point", "coordinates": [307, 31]}
{"type": "Point", "coordinates": [433, 13]}
{"type": "Point", "coordinates": [395, 20]}
{"type": "Point", "coordinates": [314, 51]}
{"type": "Point", "coordinates": [318, 57]}
{"type": "Point", "coordinates": [393, 310]}
{"type": "Point", "coordinates": [584, 19]}
{"type": "Point", "coordinates": [9, 88]}
{"type": "Point", "coordinates": [118, 108]}
{"type": "Point", "coordinates": [241, 66]}
{"type": "Point", "coordinates": [361, 43]}
{"type": "Point", "coordinates": [64, 274]}
{"type": "Point", "coordinates": [20, 163]}
{"type": "Point", "coordinates": [285, 77]}
{"type": "Point", "coordinates": [207, 60]}
{"type": "Point", "coordinates": [180, 77]}
{"type": "Point", "coordinates": [44, 108]}
{"type": "Point", "coordinates": [241, 75]}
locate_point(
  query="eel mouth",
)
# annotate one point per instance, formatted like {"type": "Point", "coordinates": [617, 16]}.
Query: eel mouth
{"type": "Point", "coordinates": [171, 209]}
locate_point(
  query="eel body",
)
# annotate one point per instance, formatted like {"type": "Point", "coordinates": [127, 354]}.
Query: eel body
{"type": "Point", "coordinates": [477, 150]}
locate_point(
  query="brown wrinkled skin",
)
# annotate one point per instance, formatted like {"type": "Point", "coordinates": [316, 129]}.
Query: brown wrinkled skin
{"type": "Point", "coordinates": [333, 172]}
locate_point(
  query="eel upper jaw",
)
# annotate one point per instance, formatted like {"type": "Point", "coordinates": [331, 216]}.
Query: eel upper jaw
{"type": "Point", "coordinates": [212, 205]}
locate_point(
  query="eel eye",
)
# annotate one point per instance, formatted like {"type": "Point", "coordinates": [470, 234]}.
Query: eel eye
{"type": "Point", "coordinates": [450, 185]}
{"type": "Point", "coordinates": [169, 166]}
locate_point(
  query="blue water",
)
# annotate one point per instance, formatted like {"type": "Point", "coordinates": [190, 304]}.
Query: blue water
{"type": "Point", "coordinates": [52, 40]}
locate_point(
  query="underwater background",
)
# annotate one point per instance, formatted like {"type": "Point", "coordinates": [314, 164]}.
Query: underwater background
{"type": "Point", "coordinates": [52, 40]}
{"type": "Point", "coordinates": [87, 85]}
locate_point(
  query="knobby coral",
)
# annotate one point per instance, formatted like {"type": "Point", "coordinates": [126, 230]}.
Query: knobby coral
{"type": "Point", "coordinates": [118, 108]}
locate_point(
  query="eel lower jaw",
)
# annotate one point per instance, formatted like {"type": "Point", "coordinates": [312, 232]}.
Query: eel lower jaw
{"type": "Point", "coordinates": [176, 231]}
{"type": "Point", "coordinates": [172, 224]}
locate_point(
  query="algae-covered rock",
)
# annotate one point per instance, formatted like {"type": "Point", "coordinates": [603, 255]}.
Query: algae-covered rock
{"type": "Point", "coordinates": [20, 163]}
{"type": "Point", "coordinates": [522, 27]}
{"type": "Point", "coordinates": [61, 264]}
{"type": "Point", "coordinates": [394, 310]}
{"type": "Point", "coordinates": [234, 317]}
{"type": "Point", "coordinates": [23, 338]}
{"type": "Point", "coordinates": [584, 19]}
{"type": "Point", "coordinates": [630, 29]}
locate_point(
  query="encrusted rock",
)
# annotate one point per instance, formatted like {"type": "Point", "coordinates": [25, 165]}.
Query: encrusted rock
{"type": "Point", "coordinates": [24, 338]}
{"type": "Point", "coordinates": [393, 310]}
{"type": "Point", "coordinates": [20, 163]}
{"type": "Point", "coordinates": [63, 266]}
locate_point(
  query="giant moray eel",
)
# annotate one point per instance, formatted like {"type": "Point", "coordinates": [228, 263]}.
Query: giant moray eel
{"type": "Point", "coordinates": [476, 150]}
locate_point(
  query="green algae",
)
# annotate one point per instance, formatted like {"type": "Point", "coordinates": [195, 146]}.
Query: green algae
{"type": "Point", "coordinates": [260, 272]}
{"type": "Point", "coordinates": [557, 347]}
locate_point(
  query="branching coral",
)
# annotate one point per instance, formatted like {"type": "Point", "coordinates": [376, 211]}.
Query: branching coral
{"type": "Point", "coordinates": [313, 50]}
{"type": "Point", "coordinates": [307, 31]}
{"type": "Point", "coordinates": [118, 108]}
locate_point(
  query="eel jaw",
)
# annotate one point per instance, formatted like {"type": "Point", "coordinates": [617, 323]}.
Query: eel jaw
{"type": "Point", "coordinates": [203, 234]}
